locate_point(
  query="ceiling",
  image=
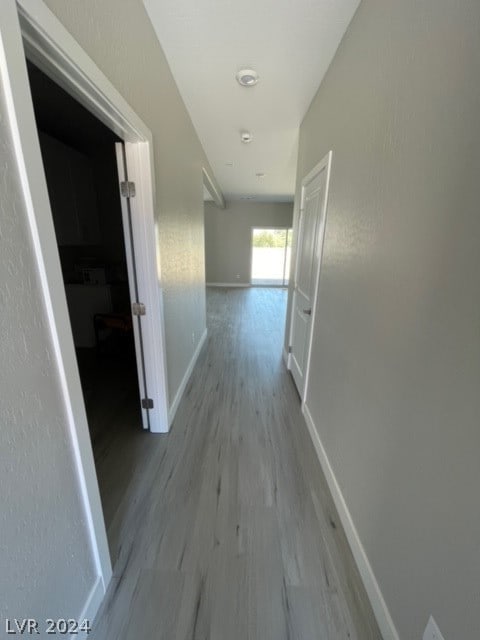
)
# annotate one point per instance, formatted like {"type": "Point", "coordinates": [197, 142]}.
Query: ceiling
{"type": "Point", "coordinates": [289, 43]}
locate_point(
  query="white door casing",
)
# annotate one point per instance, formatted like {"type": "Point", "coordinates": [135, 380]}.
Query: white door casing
{"type": "Point", "coordinates": [51, 48]}
{"type": "Point", "coordinates": [29, 27]}
{"type": "Point", "coordinates": [309, 244]}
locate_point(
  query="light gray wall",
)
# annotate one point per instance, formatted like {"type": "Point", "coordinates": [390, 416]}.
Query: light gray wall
{"type": "Point", "coordinates": [119, 37]}
{"type": "Point", "coordinates": [46, 563]}
{"type": "Point", "coordinates": [396, 356]}
{"type": "Point", "coordinates": [228, 236]}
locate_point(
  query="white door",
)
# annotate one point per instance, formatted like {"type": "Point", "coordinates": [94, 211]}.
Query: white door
{"type": "Point", "coordinates": [145, 293]}
{"type": "Point", "coordinates": [307, 270]}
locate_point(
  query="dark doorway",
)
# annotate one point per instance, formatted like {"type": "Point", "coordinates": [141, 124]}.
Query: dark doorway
{"type": "Point", "coordinates": [79, 160]}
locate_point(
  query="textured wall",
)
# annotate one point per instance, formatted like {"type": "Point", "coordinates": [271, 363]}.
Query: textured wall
{"type": "Point", "coordinates": [119, 37]}
{"type": "Point", "coordinates": [396, 356]}
{"type": "Point", "coordinates": [45, 558]}
{"type": "Point", "coordinates": [228, 236]}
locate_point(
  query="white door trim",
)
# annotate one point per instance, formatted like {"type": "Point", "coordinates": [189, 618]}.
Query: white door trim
{"type": "Point", "coordinates": [49, 45]}
{"type": "Point", "coordinates": [55, 51]}
{"type": "Point", "coordinates": [52, 48]}
{"type": "Point", "coordinates": [324, 164]}
{"type": "Point", "coordinates": [216, 194]}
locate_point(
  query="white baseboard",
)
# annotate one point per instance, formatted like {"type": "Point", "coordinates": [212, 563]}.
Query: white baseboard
{"type": "Point", "coordinates": [91, 607]}
{"type": "Point", "coordinates": [228, 284]}
{"type": "Point", "coordinates": [178, 396]}
{"type": "Point", "coordinates": [380, 609]}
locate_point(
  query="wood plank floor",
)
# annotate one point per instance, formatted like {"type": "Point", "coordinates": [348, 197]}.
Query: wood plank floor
{"type": "Point", "coordinates": [225, 529]}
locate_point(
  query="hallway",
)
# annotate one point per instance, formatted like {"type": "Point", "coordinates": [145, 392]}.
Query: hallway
{"type": "Point", "coordinates": [228, 531]}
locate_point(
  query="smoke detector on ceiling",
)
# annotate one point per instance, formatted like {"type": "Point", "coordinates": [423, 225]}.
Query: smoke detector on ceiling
{"type": "Point", "coordinates": [246, 137]}
{"type": "Point", "coordinates": [247, 77]}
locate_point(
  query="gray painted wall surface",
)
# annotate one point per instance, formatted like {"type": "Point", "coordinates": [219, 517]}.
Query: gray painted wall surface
{"type": "Point", "coordinates": [45, 557]}
{"type": "Point", "coordinates": [396, 357]}
{"type": "Point", "coordinates": [119, 37]}
{"type": "Point", "coordinates": [228, 236]}
{"type": "Point", "coordinates": [46, 561]}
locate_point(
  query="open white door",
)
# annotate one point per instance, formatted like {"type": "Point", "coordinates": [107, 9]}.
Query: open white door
{"type": "Point", "coordinates": [307, 270]}
{"type": "Point", "coordinates": [145, 294]}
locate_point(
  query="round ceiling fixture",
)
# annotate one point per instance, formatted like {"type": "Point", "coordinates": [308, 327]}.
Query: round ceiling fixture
{"type": "Point", "coordinates": [246, 137]}
{"type": "Point", "coordinates": [247, 77]}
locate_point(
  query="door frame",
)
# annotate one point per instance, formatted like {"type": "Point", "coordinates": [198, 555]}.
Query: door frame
{"type": "Point", "coordinates": [48, 45]}
{"type": "Point", "coordinates": [324, 165]}
{"type": "Point", "coordinates": [28, 27]}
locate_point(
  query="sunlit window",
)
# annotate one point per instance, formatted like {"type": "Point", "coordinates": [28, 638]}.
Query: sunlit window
{"type": "Point", "coordinates": [271, 255]}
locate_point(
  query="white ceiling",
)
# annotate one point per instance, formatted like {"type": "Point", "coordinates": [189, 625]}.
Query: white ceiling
{"type": "Point", "coordinates": [290, 44]}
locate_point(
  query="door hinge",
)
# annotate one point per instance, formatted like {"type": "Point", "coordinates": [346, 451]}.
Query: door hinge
{"type": "Point", "coordinates": [290, 349]}
{"type": "Point", "coordinates": [147, 403]}
{"type": "Point", "coordinates": [127, 189]}
{"type": "Point", "coordinates": [138, 309]}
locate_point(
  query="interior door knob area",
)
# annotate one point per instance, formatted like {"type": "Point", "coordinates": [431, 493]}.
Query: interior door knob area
{"type": "Point", "coordinates": [307, 270]}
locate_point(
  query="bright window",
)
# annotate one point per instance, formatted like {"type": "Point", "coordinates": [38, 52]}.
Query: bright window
{"type": "Point", "coordinates": [271, 255]}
